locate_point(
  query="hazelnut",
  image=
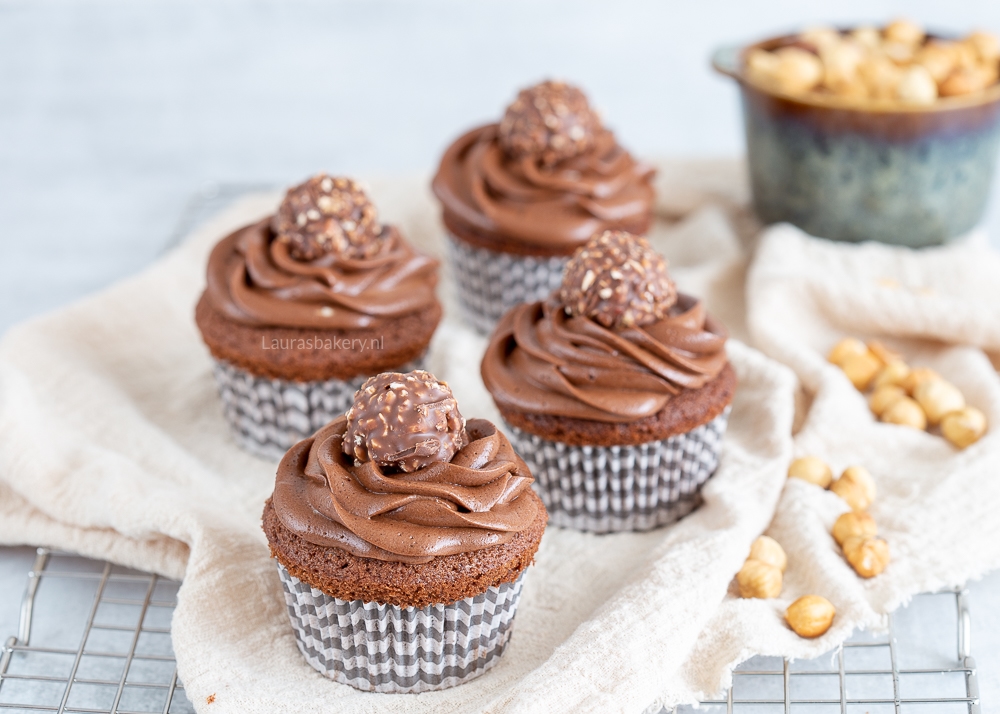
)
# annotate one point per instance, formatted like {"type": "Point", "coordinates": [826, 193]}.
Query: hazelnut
{"type": "Point", "coordinates": [938, 58]}
{"type": "Point", "coordinates": [840, 66]}
{"type": "Point", "coordinates": [884, 397]}
{"type": "Point", "coordinates": [881, 75]}
{"type": "Point", "coordinates": [847, 347]}
{"type": "Point", "coordinates": [759, 580]}
{"type": "Point", "coordinates": [966, 80]}
{"type": "Point", "coordinates": [861, 369]}
{"type": "Point", "coordinates": [904, 31]}
{"type": "Point", "coordinates": [964, 427]}
{"type": "Point", "coordinates": [852, 525]}
{"type": "Point", "coordinates": [868, 555]}
{"type": "Point", "coordinates": [811, 469]}
{"type": "Point", "coordinates": [986, 46]}
{"type": "Point", "coordinates": [917, 86]}
{"type": "Point", "coordinates": [821, 36]}
{"type": "Point", "coordinates": [768, 550]}
{"type": "Point", "coordinates": [799, 71]}
{"type": "Point", "coordinates": [810, 615]}
{"type": "Point", "coordinates": [912, 380]}
{"type": "Point", "coordinates": [867, 36]}
{"type": "Point", "coordinates": [884, 354]}
{"type": "Point", "coordinates": [900, 54]}
{"type": "Point", "coordinates": [905, 412]}
{"type": "Point", "coordinates": [894, 372]}
{"type": "Point", "coordinates": [856, 486]}
{"type": "Point", "coordinates": [937, 398]}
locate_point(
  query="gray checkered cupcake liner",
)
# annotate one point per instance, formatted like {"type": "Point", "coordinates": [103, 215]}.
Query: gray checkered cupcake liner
{"type": "Point", "coordinates": [386, 648]}
{"type": "Point", "coordinates": [490, 282]}
{"type": "Point", "coordinates": [268, 416]}
{"type": "Point", "coordinates": [609, 489]}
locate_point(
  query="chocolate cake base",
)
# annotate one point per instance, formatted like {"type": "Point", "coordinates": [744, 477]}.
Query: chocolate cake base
{"type": "Point", "coordinates": [446, 579]}
{"type": "Point", "coordinates": [342, 354]}
{"type": "Point", "coordinates": [689, 409]}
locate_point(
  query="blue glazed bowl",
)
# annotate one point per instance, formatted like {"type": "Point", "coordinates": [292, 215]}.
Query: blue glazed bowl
{"type": "Point", "coordinates": [914, 176]}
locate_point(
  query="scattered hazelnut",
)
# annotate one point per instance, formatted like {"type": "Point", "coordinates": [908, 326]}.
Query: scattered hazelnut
{"type": "Point", "coordinates": [915, 377]}
{"type": "Point", "coordinates": [884, 397]}
{"type": "Point", "coordinates": [861, 369]}
{"type": "Point", "coordinates": [937, 398]}
{"type": "Point", "coordinates": [868, 555]}
{"type": "Point", "coordinates": [856, 486]}
{"type": "Point", "coordinates": [894, 372]}
{"type": "Point", "coordinates": [847, 347]}
{"type": "Point", "coordinates": [759, 580]}
{"type": "Point", "coordinates": [811, 469]}
{"type": "Point", "coordinates": [810, 615]}
{"type": "Point", "coordinates": [964, 427]}
{"type": "Point", "coordinates": [852, 525]}
{"type": "Point", "coordinates": [768, 550]}
{"type": "Point", "coordinates": [905, 412]}
{"type": "Point", "coordinates": [884, 354]}
{"type": "Point", "coordinates": [917, 86]}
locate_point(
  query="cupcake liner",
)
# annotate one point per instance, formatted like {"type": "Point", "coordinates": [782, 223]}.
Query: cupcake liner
{"type": "Point", "coordinates": [607, 489]}
{"type": "Point", "coordinates": [268, 416]}
{"type": "Point", "coordinates": [386, 648]}
{"type": "Point", "coordinates": [490, 282]}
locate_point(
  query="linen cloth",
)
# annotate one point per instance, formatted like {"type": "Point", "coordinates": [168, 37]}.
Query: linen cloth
{"type": "Point", "coordinates": [112, 444]}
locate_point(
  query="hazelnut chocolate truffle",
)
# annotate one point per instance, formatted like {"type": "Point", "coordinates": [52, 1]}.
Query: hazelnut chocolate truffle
{"type": "Point", "coordinates": [615, 359]}
{"type": "Point", "coordinates": [302, 306]}
{"type": "Point", "coordinates": [519, 197]}
{"type": "Point", "coordinates": [433, 519]}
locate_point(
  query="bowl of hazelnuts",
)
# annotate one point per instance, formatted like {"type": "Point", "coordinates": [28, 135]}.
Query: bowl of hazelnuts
{"type": "Point", "coordinates": [886, 134]}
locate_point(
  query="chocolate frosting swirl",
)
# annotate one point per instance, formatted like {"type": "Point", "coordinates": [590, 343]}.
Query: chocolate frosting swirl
{"type": "Point", "coordinates": [542, 361]}
{"type": "Point", "coordinates": [558, 206]}
{"type": "Point", "coordinates": [253, 279]}
{"type": "Point", "coordinates": [474, 501]}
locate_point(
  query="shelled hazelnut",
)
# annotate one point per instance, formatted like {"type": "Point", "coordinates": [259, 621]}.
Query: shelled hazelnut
{"type": "Point", "coordinates": [810, 616]}
{"type": "Point", "coordinates": [892, 375]}
{"type": "Point", "coordinates": [856, 486]}
{"type": "Point", "coordinates": [884, 397]}
{"type": "Point", "coordinates": [905, 412]}
{"type": "Point", "coordinates": [853, 524]}
{"type": "Point", "coordinates": [916, 377]}
{"type": "Point", "coordinates": [758, 579]}
{"type": "Point", "coordinates": [964, 427]}
{"type": "Point", "coordinates": [847, 347]}
{"type": "Point", "coordinates": [768, 550]}
{"type": "Point", "coordinates": [861, 369]}
{"type": "Point", "coordinates": [868, 555]}
{"type": "Point", "coordinates": [937, 398]}
{"type": "Point", "coordinates": [811, 469]}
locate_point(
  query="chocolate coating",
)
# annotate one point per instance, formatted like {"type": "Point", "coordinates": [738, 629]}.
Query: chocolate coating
{"type": "Point", "coordinates": [404, 421]}
{"type": "Point", "coordinates": [552, 121]}
{"type": "Point", "coordinates": [618, 280]}
{"type": "Point", "coordinates": [326, 215]}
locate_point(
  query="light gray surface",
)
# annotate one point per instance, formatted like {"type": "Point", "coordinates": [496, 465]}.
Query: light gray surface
{"type": "Point", "coordinates": [113, 113]}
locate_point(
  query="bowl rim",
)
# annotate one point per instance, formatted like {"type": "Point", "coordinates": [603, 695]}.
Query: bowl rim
{"type": "Point", "coordinates": [730, 60]}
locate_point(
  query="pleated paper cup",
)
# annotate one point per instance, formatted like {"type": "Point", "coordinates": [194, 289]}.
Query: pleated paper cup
{"type": "Point", "coordinates": [490, 282]}
{"type": "Point", "coordinates": [608, 489]}
{"type": "Point", "coordinates": [268, 416]}
{"type": "Point", "coordinates": [385, 648]}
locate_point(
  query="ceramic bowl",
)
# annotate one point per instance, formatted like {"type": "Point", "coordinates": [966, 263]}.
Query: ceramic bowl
{"type": "Point", "coordinates": [914, 176]}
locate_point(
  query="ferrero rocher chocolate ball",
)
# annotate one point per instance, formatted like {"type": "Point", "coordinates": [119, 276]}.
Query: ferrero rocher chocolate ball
{"type": "Point", "coordinates": [618, 280]}
{"type": "Point", "coordinates": [551, 120]}
{"type": "Point", "coordinates": [404, 421]}
{"type": "Point", "coordinates": [328, 214]}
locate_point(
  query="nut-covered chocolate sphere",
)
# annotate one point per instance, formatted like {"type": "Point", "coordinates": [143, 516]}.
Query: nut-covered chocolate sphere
{"type": "Point", "coordinates": [551, 120]}
{"type": "Point", "coordinates": [404, 421]}
{"type": "Point", "coordinates": [618, 280]}
{"type": "Point", "coordinates": [328, 214]}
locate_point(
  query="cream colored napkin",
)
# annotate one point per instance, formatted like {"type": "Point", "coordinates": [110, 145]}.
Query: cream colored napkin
{"type": "Point", "coordinates": [112, 444]}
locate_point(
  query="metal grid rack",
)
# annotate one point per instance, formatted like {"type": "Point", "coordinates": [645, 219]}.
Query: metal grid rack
{"type": "Point", "coordinates": [111, 654]}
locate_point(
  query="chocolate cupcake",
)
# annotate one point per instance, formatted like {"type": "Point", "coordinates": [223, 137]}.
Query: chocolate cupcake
{"type": "Point", "coordinates": [520, 196]}
{"type": "Point", "coordinates": [301, 307]}
{"type": "Point", "coordinates": [401, 532]}
{"type": "Point", "coordinates": [616, 390]}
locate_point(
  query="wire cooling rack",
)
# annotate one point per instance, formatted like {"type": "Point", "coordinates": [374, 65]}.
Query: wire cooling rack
{"type": "Point", "coordinates": [97, 644]}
